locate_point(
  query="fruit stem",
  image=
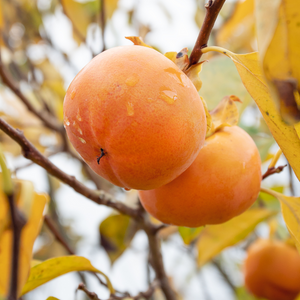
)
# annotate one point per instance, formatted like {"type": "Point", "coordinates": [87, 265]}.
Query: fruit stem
{"type": "Point", "coordinates": [99, 157]}
{"type": "Point", "coordinates": [217, 49]}
{"type": "Point", "coordinates": [213, 8]}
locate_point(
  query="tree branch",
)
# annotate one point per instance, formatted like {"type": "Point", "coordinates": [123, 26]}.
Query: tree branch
{"type": "Point", "coordinates": [157, 264]}
{"type": "Point", "coordinates": [18, 222]}
{"type": "Point", "coordinates": [45, 117]}
{"type": "Point", "coordinates": [213, 8]}
{"type": "Point", "coordinates": [30, 152]}
{"type": "Point", "coordinates": [102, 21]}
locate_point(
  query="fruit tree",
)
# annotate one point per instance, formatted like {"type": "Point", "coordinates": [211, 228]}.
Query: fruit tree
{"type": "Point", "coordinates": [149, 149]}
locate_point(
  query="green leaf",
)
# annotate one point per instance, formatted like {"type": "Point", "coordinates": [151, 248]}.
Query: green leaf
{"type": "Point", "coordinates": [188, 235]}
{"type": "Point", "coordinates": [55, 267]}
{"type": "Point", "coordinates": [116, 233]}
{"type": "Point", "coordinates": [215, 238]}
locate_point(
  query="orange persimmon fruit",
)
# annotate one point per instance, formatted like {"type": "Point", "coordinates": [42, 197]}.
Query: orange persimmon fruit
{"type": "Point", "coordinates": [272, 270]}
{"type": "Point", "coordinates": [222, 182]}
{"type": "Point", "coordinates": [134, 117]}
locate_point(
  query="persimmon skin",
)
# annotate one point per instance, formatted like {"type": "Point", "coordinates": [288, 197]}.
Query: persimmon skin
{"type": "Point", "coordinates": [141, 110]}
{"type": "Point", "coordinates": [272, 270]}
{"type": "Point", "coordinates": [222, 182]}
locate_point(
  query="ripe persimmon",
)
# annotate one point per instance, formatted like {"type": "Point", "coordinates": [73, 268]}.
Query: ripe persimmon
{"type": "Point", "coordinates": [222, 182]}
{"type": "Point", "coordinates": [134, 117]}
{"type": "Point", "coordinates": [272, 270]}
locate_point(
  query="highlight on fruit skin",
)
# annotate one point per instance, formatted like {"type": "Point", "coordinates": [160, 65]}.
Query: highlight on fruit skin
{"type": "Point", "coordinates": [272, 270]}
{"type": "Point", "coordinates": [134, 117]}
{"type": "Point", "coordinates": [222, 182]}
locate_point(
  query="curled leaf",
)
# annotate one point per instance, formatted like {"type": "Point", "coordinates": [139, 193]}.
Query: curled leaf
{"type": "Point", "coordinates": [225, 114]}
{"type": "Point", "coordinates": [189, 235]}
{"type": "Point", "coordinates": [208, 117]}
{"type": "Point", "coordinates": [137, 41]}
{"type": "Point", "coordinates": [116, 233]}
{"type": "Point", "coordinates": [193, 74]}
{"type": "Point", "coordinates": [171, 56]}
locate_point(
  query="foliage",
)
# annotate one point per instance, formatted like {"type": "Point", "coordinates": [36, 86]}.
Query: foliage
{"type": "Point", "coordinates": [35, 69]}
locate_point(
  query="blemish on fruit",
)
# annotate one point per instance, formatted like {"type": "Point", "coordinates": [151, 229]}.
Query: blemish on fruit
{"type": "Point", "coordinates": [130, 111]}
{"type": "Point", "coordinates": [168, 96]}
{"type": "Point", "coordinates": [82, 140]}
{"type": "Point", "coordinates": [132, 80]}
{"type": "Point", "coordinates": [78, 116]}
{"type": "Point", "coordinates": [150, 100]}
{"type": "Point", "coordinates": [101, 155]}
{"type": "Point", "coordinates": [73, 93]}
{"type": "Point", "coordinates": [267, 113]}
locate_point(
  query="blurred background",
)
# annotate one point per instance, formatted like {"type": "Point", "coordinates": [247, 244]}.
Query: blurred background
{"type": "Point", "coordinates": [45, 44]}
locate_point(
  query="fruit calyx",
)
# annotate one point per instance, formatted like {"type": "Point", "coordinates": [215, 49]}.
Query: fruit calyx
{"type": "Point", "coordinates": [100, 156]}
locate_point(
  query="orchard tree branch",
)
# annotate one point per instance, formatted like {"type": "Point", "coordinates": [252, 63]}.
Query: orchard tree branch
{"type": "Point", "coordinates": [142, 295]}
{"type": "Point", "coordinates": [156, 260]}
{"type": "Point", "coordinates": [18, 221]}
{"type": "Point", "coordinates": [45, 117]}
{"type": "Point", "coordinates": [102, 21]}
{"type": "Point", "coordinates": [213, 8]}
{"type": "Point", "coordinates": [30, 152]}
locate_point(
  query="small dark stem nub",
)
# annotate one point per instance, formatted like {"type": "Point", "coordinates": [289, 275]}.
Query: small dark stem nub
{"type": "Point", "coordinates": [99, 157]}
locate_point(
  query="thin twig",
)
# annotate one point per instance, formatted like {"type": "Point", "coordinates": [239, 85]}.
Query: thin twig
{"type": "Point", "coordinates": [157, 264]}
{"type": "Point", "coordinates": [103, 25]}
{"type": "Point", "coordinates": [91, 295]}
{"type": "Point", "coordinates": [46, 118]}
{"type": "Point", "coordinates": [272, 171]}
{"type": "Point", "coordinates": [224, 274]}
{"type": "Point", "coordinates": [30, 152]}
{"type": "Point", "coordinates": [142, 295]}
{"type": "Point", "coordinates": [18, 222]}
{"type": "Point", "coordinates": [213, 8]}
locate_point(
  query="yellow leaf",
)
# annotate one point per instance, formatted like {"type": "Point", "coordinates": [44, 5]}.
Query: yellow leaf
{"type": "Point", "coordinates": [253, 79]}
{"type": "Point", "coordinates": [110, 7]}
{"type": "Point", "coordinates": [239, 28]}
{"type": "Point", "coordinates": [215, 238]}
{"type": "Point", "coordinates": [137, 41]}
{"type": "Point", "coordinates": [290, 207]}
{"type": "Point", "coordinates": [188, 235]}
{"type": "Point", "coordinates": [81, 15]}
{"type": "Point", "coordinates": [28, 236]}
{"type": "Point", "coordinates": [116, 233]}
{"type": "Point", "coordinates": [277, 28]}
{"type": "Point", "coordinates": [193, 74]}
{"type": "Point", "coordinates": [208, 117]}
{"type": "Point", "coordinates": [171, 56]}
{"type": "Point", "coordinates": [226, 113]}
{"type": "Point", "coordinates": [55, 267]}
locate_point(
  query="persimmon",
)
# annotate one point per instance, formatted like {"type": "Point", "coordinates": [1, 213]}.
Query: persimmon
{"type": "Point", "coordinates": [134, 117]}
{"type": "Point", "coordinates": [272, 270]}
{"type": "Point", "coordinates": [222, 182]}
